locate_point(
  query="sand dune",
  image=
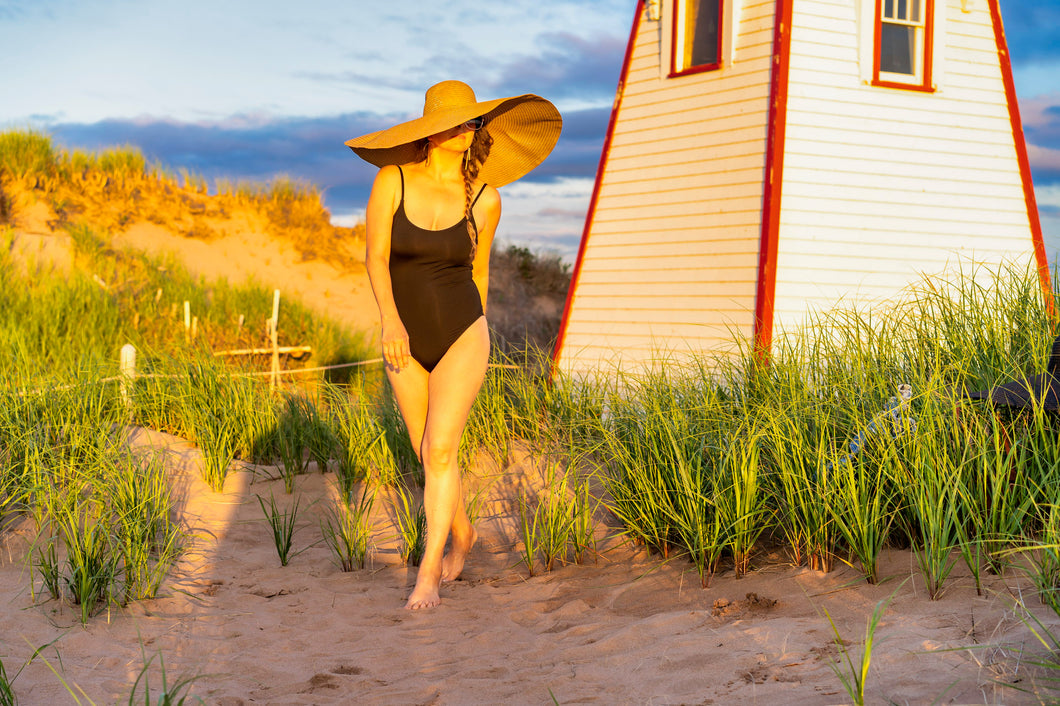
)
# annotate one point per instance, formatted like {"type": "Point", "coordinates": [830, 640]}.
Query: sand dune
{"type": "Point", "coordinates": [249, 253]}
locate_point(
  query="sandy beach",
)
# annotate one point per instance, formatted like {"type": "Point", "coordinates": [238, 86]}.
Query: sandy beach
{"type": "Point", "coordinates": [625, 627]}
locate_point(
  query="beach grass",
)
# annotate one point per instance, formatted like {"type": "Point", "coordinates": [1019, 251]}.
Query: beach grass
{"type": "Point", "coordinates": [554, 523]}
{"type": "Point", "coordinates": [105, 527]}
{"type": "Point", "coordinates": [529, 533]}
{"type": "Point", "coordinates": [856, 436]}
{"type": "Point", "coordinates": [282, 523]}
{"type": "Point", "coordinates": [7, 691]}
{"type": "Point", "coordinates": [362, 447]}
{"type": "Point", "coordinates": [292, 438]}
{"type": "Point", "coordinates": [411, 520]}
{"type": "Point", "coordinates": [105, 518]}
{"type": "Point", "coordinates": [704, 458]}
{"type": "Point", "coordinates": [78, 320]}
{"type": "Point", "coordinates": [347, 529]}
{"type": "Point", "coordinates": [175, 693]}
{"type": "Point", "coordinates": [853, 674]}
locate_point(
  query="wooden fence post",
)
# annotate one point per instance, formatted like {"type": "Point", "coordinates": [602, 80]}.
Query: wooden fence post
{"type": "Point", "coordinates": [274, 325]}
{"type": "Point", "coordinates": [128, 374]}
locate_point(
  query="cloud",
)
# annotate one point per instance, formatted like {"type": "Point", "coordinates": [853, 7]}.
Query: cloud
{"type": "Point", "coordinates": [563, 67]}
{"type": "Point", "coordinates": [1041, 126]}
{"type": "Point", "coordinates": [1039, 111]}
{"type": "Point", "coordinates": [259, 148]}
{"type": "Point", "coordinates": [546, 216]}
{"type": "Point", "coordinates": [17, 10]}
{"type": "Point", "coordinates": [1048, 198]}
{"type": "Point", "coordinates": [1045, 164]}
{"type": "Point", "coordinates": [561, 213]}
{"type": "Point", "coordinates": [568, 66]}
{"type": "Point", "coordinates": [364, 80]}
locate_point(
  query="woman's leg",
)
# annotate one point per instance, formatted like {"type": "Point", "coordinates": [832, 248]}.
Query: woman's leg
{"type": "Point", "coordinates": [410, 390]}
{"type": "Point", "coordinates": [451, 390]}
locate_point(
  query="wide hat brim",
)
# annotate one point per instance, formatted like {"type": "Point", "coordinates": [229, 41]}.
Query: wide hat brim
{"type": "Point", "coordinates": [524, 129]}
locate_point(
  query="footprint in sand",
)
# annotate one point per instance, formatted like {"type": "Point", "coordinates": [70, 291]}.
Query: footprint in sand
{"type": "Point", "coordinates": [753, 603]}
{"type": "Point", "coordinates": [322, 682]}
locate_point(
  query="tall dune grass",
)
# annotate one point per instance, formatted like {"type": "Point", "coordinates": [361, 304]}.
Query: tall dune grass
{"type": "Point", "coordinates": [78, 320]}
{"type": "Point", "coordinates": [829, 460]}
{"type": "Point", "coordinates": [104, 516]}
{"type": "Point", "coordinates": [105, 531]}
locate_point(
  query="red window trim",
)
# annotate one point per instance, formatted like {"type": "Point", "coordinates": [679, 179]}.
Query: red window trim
{"type": "Point", "coordinates": [925, 85]}
{"type": "Point", "coordinates": [906, 86]}
{"type": "Point", "coordinates": [699, 68]}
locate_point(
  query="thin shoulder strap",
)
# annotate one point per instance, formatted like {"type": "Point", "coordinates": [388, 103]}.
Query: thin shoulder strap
{"type": "Point", "coordinates": [477, 195]}
{"type": "Point", "coordinates": [472, 215]}
{"type": "Point", "coordinates": [402, 174]}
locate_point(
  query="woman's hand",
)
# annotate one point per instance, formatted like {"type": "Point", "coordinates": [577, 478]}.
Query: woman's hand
{"type": "Point", "coordinates": [395, 343]}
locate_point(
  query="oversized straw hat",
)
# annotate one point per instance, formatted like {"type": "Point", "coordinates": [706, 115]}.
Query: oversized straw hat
{"type": "Point", "coordinates": [524, 131]}
{"type": "Point", "coordinates": [1043, 390]}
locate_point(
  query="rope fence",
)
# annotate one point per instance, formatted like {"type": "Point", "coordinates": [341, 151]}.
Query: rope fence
{"type": "Point", "coordinates": [127, 364]}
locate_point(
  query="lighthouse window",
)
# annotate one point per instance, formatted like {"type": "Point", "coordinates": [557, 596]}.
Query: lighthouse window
{"type": "Point", "coordinates": [696, 36]}
{"type": "Point", "coordinates": [903, 43]}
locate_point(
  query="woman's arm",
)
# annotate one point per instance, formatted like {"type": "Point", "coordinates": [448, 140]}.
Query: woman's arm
{"type": "Point", "coordinates": [488, 214]}
{"type": "Point", "coordinates": [378, 219]}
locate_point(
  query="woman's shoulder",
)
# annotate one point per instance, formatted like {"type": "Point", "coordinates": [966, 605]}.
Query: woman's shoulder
{"type": "Point", "coordinates": [388, 180]}
{"type": "Point", "coordinates": [388, 174]}
{"type": "Point", "coordinates": [488, 194]}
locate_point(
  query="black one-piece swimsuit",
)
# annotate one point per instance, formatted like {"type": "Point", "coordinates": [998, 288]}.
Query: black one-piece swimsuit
{"type": "Point", "coordinates": [430, 274]}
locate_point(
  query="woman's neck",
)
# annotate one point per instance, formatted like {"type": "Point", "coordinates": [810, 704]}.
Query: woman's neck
{"type": "Point", "coordinates": [444, 165]}
{"type": "Point", "coordinates": [444, 168]}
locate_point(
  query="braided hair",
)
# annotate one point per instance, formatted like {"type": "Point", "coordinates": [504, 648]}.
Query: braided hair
{"type": "Point", "coordinates": [473, 160]}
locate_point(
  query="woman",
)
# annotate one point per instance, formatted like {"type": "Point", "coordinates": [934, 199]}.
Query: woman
{"type": "Point", "coordinates": [431, 218]}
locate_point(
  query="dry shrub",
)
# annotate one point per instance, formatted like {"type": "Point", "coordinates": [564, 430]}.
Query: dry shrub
{"type": "Point", "coordinates": [297, 214]}
{"type": "Point", "coordinates": [27, 155]}
{"type": "Point", "coordinates": [527, 293]}
{"type": "Point", "coordinates": [115, 188]}
{"type": "Point", "coordinates": [7, 208]}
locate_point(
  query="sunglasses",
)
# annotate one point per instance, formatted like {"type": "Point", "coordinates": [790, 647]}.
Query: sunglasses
{"type": "Point", "coordinates": [474, 124]}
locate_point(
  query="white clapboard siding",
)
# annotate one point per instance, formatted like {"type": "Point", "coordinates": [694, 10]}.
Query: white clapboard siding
{"type": "Point", "coordinates": [880, 187]}
{"type": "Point", "coordinates": [670, 257]}
{"type": "Point", "coordinates": [919, 181]}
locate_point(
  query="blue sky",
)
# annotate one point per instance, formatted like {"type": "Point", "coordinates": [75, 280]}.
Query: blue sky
{"type": "Point", "coordinates": [251, 89]}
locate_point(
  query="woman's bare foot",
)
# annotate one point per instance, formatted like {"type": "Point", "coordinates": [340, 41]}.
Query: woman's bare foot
{"type": "Point", "coordinates": [453, 562]}
{"type": "Point", "coordinates": [425, 594]}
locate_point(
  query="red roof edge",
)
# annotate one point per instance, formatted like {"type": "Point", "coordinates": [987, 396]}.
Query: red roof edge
{"type": "Point", "coordinates": [774, 173]}
{"type": "Point", "coordinates": [1021, 154]}
{"type": "Point", "coordinates": [557, 350]}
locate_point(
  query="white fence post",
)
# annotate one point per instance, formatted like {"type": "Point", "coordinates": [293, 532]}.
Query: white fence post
{"type": "Point", "coordinates": [274, 326]}
{"type": "Point", "coordinates": [128, 374]}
